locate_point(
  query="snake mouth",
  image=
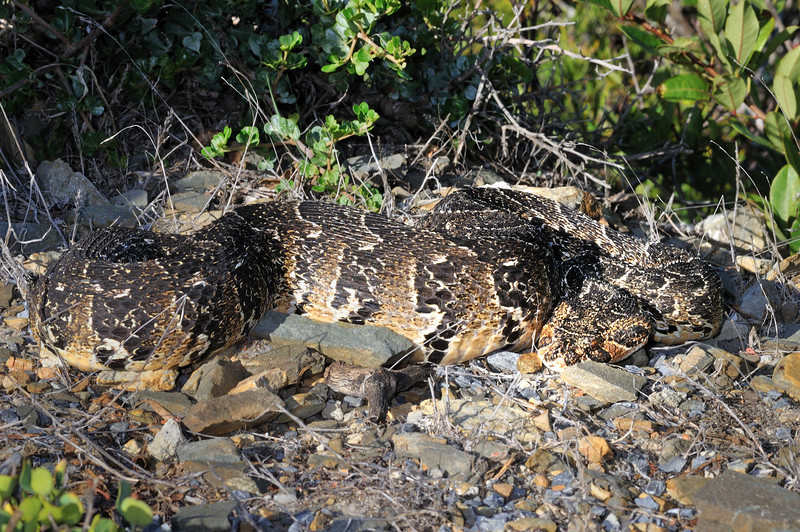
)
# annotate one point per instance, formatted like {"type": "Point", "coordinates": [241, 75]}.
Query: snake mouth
{"type": "Point", "coordinates": [559, 348]}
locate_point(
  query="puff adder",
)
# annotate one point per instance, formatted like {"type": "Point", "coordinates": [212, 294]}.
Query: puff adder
{"type": "Point", "coordinates": [487, 269]}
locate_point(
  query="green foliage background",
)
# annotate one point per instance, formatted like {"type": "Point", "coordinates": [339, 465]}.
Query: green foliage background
{"type": "Point", "coordinates": [687, 103]}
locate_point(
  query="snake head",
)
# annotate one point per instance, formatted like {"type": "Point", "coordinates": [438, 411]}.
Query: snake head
{"type": "Point", "coordinates": [601, 324]}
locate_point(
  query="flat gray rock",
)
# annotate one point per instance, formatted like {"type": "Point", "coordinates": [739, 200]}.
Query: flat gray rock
{"type": "Point", "coordinates": [735, 501]}
{"type": "Point", "coordinates": [204, 517]}
{"type": "Point", "coordinates": [434, 453]}
{"type": "Point", "coordinates": [360, 345]}
{"type": "Point", "coordinates": [61, 186]}
{"type": "Point", "coordinates": [222, 415]}
{"type": "Point", "coordinates": [603, 382]}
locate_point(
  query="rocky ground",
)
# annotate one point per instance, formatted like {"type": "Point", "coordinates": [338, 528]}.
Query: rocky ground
{"type": "Point", "coordinates": [701, 436]}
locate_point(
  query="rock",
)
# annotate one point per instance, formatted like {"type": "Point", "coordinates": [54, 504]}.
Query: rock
{"type": "Point", "coordinates": [503, 361]}
{"type": "Point", "coordinates": [271, 379]}
{"type": "Point", "coordinates": [433, 453]}
{"type": "Point", "coordinates": [734, 333]}
{"type": "Point", "coordinates": [745, 224]}
{"type": "Point", "coordinates": [358, 345]}
{"type": "Point", "coordinates": [682, 489]}
{"type": "Point", "coordinates": [532, 523]}
{"type": "Point", "coordinates": [595, 449]}
{"type": "Point", "coordinates": [348, 523]}
{"type": "Point", "coordinates": [61, 186]}
{"type": "Point", "coordinates": [176, 403]}
{"type": "Point", "coordinates": [504, 489]}
{"type": "Point", "coordinates": [754, 264]}
{"type": "Point", "coordinates": [107, 215]}
{"type": "Point", "coordinates": [166, 441]}
{"type": "Point", "coordinates": [219, 461]}
{"type": "Point", "coordinates": [190, 202]}
{"type": "Point", "coordinates": [761, 298]}
{"type": "Point", "coordinates": [215, 379]}
{"type": "Point", "coordinates": [672, 448]}
{"type": "Point", "coordinates": [200, 180]}
{"type": "Point", "coordinates": [529, 362]}
{"type": "Point", "coordinates": [573, 197]}
{"type": "Point", "coordinates": [786, 375]}
{"type": "Point", "coordinates": [603, 382]}
{"type": "Point", "coordinates": [217, 450]}
{"type": "Point", "coordinates": [491, 450]}
{"type": "Point", "coordinates": [132, 198]}
{"type": "Point", "coordinates": [6, 295]}
{"type": "Point", "coordinates": [543, 461]}
{"type": "Point", "coordinates": [30, 238]}
{"type": "Point", "coordinates": [214, 517]}
{"type": "Point", "coordinates": [763, 384]}
{"type": "Point", "coordinates": [696, 360]}
{"type": "Point", "coordinates": [362, 166]}
{"type": "Point", "coordinates": [733, 501]}
{"type": "Point", "coordinates": [305, 405]}
{"type": "Point", "coordinates": [508, 420]}
{"type": "Point", "coordinates": [293, 360]}
{"type": "Point", "coordinates": [225, 414]}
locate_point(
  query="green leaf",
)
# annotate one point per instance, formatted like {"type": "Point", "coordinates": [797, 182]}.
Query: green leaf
{"type": "Point", "coordinates": [42, 481]}
{"type": "Point", "coordinates": [646, 40]}
{"type": "Point", "coordinates": [620, 7]}
{"type": "Point", "coordinates": [763, 34]}
{"type": "Point", "coordinates": [59, 471]}
{"type": "Point", "coordinates": [784, 195]}
{"type": "Point", "coordinates": [792, 152]}
{"type": "Point", "coordinates": [192, 42]}
{"type": "Point", "coordinates": [779, 39]}
{"type": "Point", "coordinates": [123, 492]}
{"type": "Point", "coordinates": [29, 507]}
{"type": "Point", "coordinates": [742, 130]}
{"type": "Point", "coordinates": [729, 91]}
{"type": "Point", "coordinates": [657, 10]}
{"type": "Point", "coordinates": [777, 129]}
{"type": "Point", "coordinates": [248, 136]}
{"type": "Point", "coordinates": [283, 128]}
{"type": "Point", "coordinates": [790, 65]}
{"type": "Point", "coordinates": [741, 31]}
{"type": "Point", "coordinates": [72, 508]}
{"type": "Point", "coordinates": [716, 43]}
{"type": "Point", "coordinates": [786, 94]}
{"type": "Point", "coordinates": [136, 512]}
{"type": "Point", "coordinates": [102, 524]}
{"type": "Point", "coordinates": [684, 87]}
{"type": "Point", "coordinates": [7, 484]}
{"type": "Point", "coordinates": [713, 12]}
{"type": "Point", "coordinates": [288, 42]}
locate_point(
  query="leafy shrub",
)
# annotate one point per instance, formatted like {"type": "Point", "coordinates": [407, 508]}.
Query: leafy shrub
{"type": "Point", "coordinates": [37, 500]}
{"type": "Point", "coordinates": [737, 78]}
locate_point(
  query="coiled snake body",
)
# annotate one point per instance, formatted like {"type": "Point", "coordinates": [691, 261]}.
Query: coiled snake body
{"type": "Point", "coordinates": [487, 269]}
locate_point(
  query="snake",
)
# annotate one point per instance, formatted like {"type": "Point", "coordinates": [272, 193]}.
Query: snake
{"type": "Point", "coordinates": [486, 269]}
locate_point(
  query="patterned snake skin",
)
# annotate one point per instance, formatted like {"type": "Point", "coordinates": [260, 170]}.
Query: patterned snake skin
{"type": "Point", "coordinates": [487, 269]}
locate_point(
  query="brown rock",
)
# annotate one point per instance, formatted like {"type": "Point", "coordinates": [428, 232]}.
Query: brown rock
{"type": "Point", "coordinates": [529, 362]}
{"type": "Point", "coordinates": [503, 489]}
{"type": "Point", "coordinates": [532, 523]}
{"type": "Point", "coordinates": [737, 502]}
{"type": "Point", "coordinates": [272, 379]}
{"type": "Point", "coordinates": [595, 449]}
{"type": "Point", "coordinates": [683, 488]}
{"type": "Point", "coordinates": [787, 374]}
{"type": "Point", "coordinates": [215, 379]}
{"type": "Point", "coordinates": [225, 414]}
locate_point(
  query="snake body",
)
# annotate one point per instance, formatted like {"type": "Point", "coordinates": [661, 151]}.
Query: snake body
{"type": "Point", "coordinates": [487, 269]}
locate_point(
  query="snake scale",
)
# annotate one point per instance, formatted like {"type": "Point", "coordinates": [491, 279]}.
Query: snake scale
{"type": "Point", "coordinates": [487, 269]}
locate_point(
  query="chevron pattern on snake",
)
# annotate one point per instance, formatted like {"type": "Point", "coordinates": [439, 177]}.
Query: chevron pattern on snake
{"type": "Point", "coordinates": [488, 269]}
